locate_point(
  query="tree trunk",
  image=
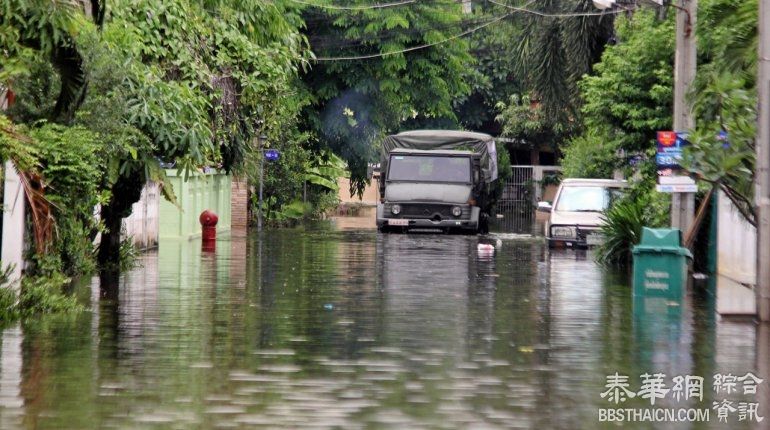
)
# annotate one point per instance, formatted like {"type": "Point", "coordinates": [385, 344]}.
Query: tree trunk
{"type": "Point", "coordinates": [109, 247]}
{"type": "Point", "coordinates": [125, 192]}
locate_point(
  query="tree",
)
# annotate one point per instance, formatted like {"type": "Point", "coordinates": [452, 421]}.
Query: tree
{"type": "Point", "coordinates": [628, 98]}
{"type": "Point", "coordinates": [48, 28]}
{"type": "Point", "coordinates": [555, 52]}
{"type": "Point", "coordinates": [492, 78]}
{"type": "Point", "coordinates": [358, 101]}
{"type": "Point", "coordinates": [178, 81]}
{"type": "Point", "coordinates": [722, 151]}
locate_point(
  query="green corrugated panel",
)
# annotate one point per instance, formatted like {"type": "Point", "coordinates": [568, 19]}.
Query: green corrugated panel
{"type": "Point", "coordinates": [199, 192]}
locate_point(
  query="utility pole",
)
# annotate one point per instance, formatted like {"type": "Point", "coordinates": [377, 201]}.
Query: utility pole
{"type": "Point", "coordinates": [261, 141]}
{"type": "Point", "coordinates": [683, 204]}
{"type": "Point", "coordinates": [763, 165]}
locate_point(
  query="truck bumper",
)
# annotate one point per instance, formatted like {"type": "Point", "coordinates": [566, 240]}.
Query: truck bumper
{"type": "Point", "coordinates": [471, 224]}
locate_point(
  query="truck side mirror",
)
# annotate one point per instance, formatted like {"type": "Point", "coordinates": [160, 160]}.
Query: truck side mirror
{"type": "Point", "coordinates": [544, 207]}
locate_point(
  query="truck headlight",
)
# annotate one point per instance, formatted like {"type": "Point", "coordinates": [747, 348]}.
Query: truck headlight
{"type": "Point", "coordinates": [457, 211]}
{"type": "Point", "coordinates": [395, 209]}
{"type": "Point", "coordinates": [563, 232]}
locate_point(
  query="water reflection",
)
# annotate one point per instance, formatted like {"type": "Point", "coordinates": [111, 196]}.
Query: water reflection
{"type": "Point", "coordinates": [350, 329]}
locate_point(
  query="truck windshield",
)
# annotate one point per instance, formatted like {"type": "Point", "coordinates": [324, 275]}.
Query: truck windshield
{"type": "Point", "coordinates": [425, 168]}
{"type": "Point", "coordinates": [586, 198]}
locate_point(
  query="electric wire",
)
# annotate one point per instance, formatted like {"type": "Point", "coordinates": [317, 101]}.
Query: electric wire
{"type": "Point", "coordinates": [557, 15]}
{"type": "Point", "coordinates": [363, 7]}
{"type": "Point", "coordinates": [472, 30]}
{"type": "Point", "coordinates": [413, 48]}
{"type": "Point", "coordinates": [326, 42]}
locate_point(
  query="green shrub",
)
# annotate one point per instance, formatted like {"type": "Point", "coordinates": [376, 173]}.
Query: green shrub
{"type": "Point", "coordinates": [41, 295]}
{"type": "Point", "coordinates": [325, 202]}
{"type": "Point", "coordinates": [38, 295]}
{"type": "Point", "coordinates": [129, 254]}
{"type": "Point", "coordinates": [589, 156]}
{"type": "Point", "coordinates": [8, 308]}
{"type": "Point", "coordinates": [624, 221]}
{"type": "Point", "coordinates": [7, 296]}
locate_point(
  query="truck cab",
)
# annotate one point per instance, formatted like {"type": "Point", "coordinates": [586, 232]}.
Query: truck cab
{"type": "Point", "coordinates": [436, 180]}
{"type": "Point", "coordinates": [430, 190]}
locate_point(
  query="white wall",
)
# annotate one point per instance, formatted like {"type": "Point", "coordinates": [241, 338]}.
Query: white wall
{"type": "Point", "coordinates": [11, 380]}
{"type": "Point", "coordinates": [13, 223]}
{"type": "Point", "coordinates": [736, 244]}
{"type": "Point", "coordinates": [142, 224]}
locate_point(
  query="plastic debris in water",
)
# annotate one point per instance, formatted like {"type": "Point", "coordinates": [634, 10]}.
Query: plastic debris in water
{"type": "Point", "coordinates": [328, 306]}
{"type": "Point", "coordinates": [485, 248]}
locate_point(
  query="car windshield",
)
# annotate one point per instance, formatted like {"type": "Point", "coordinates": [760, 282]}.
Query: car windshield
{"type": "Point", "coordinates": [586, 198]}
{"type": "Point", "coordinates": [425, 168]}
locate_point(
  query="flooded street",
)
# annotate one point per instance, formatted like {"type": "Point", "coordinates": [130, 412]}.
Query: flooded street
{"type": "Point", "coordinates": [326, 327]}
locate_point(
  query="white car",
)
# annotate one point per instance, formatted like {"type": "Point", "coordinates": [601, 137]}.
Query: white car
{"type": "Point", "coordinates": [576, 213]}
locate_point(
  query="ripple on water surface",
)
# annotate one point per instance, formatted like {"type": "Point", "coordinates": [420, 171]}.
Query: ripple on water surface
{"type": "Point", "coordinates": [351, 329]}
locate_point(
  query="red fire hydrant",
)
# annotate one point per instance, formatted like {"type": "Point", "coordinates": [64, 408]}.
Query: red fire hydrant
{"type": "Point", "coordinates": [208, 221]}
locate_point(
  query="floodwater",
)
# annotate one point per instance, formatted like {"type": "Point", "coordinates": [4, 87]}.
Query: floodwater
{"type": "Point", "coordinates": [339, 327]}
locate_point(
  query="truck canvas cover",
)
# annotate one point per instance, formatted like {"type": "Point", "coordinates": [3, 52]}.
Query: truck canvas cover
{"type": "Point", "coordinates": [479, 143]}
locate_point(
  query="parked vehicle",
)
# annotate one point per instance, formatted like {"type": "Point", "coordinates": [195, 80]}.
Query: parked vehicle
{"type": "Point", "coordinates": [576, 213]}
{"type": "Point", "coordinates": [436, 180]}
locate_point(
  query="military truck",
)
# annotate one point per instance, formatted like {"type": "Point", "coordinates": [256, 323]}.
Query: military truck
{"type": "Point", "coordinates": [437, 180]}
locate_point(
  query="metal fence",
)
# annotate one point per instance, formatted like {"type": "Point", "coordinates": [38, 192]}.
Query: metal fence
{"type": "Point", "coordinates": [516, 205]}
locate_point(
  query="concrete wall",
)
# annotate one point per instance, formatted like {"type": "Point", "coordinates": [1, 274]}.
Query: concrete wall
{"type": "Point", "coordinates": [13, 223]}
{"type": "Point", "coordinates": [199, 192]}
{"type": "Point", "coordinates": [370, 197]}
{"type": "Point", "coordinates": [736, 261]}
{"type": "Point", "coordinates": [143, 222]}
{"type": "Point", "coordinates": [736, 244]}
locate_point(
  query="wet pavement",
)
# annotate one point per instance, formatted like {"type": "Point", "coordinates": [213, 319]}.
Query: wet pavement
{"type": "Point", "coordinates": [339, 327]}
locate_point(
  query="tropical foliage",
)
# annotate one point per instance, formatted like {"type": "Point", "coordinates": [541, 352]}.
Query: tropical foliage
{"type": "Point", "coordinates": [555, 52]}
{"type": "Point", "coordinates": [356, 102]}
{"type": "Point", "coordinates": [628, 98]}
{"type": "Point", "coordinates": [623, 222]}
{"type": "Point", "coordinates": [492, 77]}
{"type": "Point", "coordinates": [722, 150]}
{"type": "Point", "coordinates": [154, 80]}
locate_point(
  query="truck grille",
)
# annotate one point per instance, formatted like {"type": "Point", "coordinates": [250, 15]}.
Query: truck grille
{"type": "Point", "coordinates": [427, 211]}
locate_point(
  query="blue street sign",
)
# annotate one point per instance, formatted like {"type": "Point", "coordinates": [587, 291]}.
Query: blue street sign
{"type": "Point", "coordinates": [272, 154]}
{"type": "Point", "coordinates": [722, 137]}
{"type": "Point", "coordinates": [670, 147]}
{"type": "Point", "coordinates": [668, 159]}
{"type": "Point", "coordinates": [681, 139]}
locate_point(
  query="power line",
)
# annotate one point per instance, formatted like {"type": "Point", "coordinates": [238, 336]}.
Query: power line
{"type": "Point", "coordinates": [325, 42]}
{"type": "Point", "coordinates": [472, 30]}
{"type": "Point", "coordinates": [557, 15]}
{"type": "Point", "coordinates": [374, 6]}
{"type": "Point", "coordinates": [414, 48]}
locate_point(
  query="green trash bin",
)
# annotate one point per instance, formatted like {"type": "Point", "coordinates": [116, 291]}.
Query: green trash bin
{"type": "Point", "coordinates": [660, 264]}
